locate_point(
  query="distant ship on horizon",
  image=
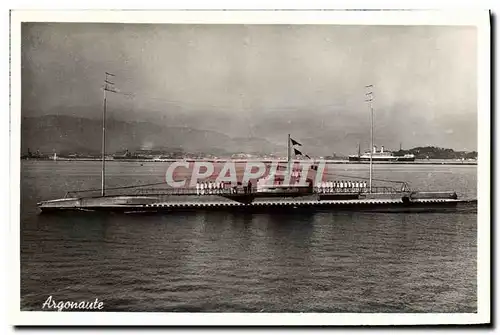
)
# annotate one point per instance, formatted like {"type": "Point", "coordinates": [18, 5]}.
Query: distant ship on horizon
{"type": "Point", "coordinates": [381, 156]}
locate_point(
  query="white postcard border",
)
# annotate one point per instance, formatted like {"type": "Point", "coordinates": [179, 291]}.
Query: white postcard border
{"type": "Point", "coordinates": [480, 19]}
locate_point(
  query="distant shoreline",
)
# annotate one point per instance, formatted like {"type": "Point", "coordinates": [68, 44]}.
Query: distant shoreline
{"type": "Point", "coordinates": [267, 161]}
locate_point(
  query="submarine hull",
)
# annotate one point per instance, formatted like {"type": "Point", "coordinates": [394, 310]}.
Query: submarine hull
{"type": "Point", "coordinates": [396, 202]}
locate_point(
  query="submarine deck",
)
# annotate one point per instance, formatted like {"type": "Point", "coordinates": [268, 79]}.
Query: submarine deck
{"type": "Point", "coordinates": [169, 202]}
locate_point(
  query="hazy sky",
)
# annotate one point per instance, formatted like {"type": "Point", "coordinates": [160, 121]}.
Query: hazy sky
{"type": "Point", "coordinates": [243, 80]}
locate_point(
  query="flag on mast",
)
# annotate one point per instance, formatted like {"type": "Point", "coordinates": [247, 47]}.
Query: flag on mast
{"type": "Point", "coordinates": [295, 142]}
{"type": "Point", "coordinates": [297, 152]}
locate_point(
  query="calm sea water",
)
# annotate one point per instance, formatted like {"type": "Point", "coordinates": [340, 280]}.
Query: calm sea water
{"type": "Point", "coordinates": [291, 261]}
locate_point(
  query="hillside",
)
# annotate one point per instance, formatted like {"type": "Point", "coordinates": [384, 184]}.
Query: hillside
{"type": "Point", "coordinates": [68, 134]}
{"type": "Point", "coordinates": [431, 152]}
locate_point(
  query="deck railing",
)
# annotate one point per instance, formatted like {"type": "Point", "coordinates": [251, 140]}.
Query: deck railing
{"type": "Point", "coordinates": [375, 189]}
{"type": "Point", "coordinates": [143, 190]}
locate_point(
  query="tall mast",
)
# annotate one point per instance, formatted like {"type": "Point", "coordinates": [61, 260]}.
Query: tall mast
{"type": "Point", "coordinates": [288, 154]}
{"type": "Point", "coordinates": [369, 99]}
{"type": "Point", "coordinates": [106, 89]}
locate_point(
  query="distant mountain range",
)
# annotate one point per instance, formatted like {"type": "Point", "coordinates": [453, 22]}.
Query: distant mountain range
{"type": "Point", "coordinates": [68, 134]}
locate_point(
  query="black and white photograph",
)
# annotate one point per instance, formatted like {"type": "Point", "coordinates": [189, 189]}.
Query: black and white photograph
{"type": "Point", "coordinates": [276, 165]}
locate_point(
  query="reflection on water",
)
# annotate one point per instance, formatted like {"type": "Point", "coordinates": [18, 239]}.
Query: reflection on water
{"type": "Point", "coordinates": [299, 261]}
